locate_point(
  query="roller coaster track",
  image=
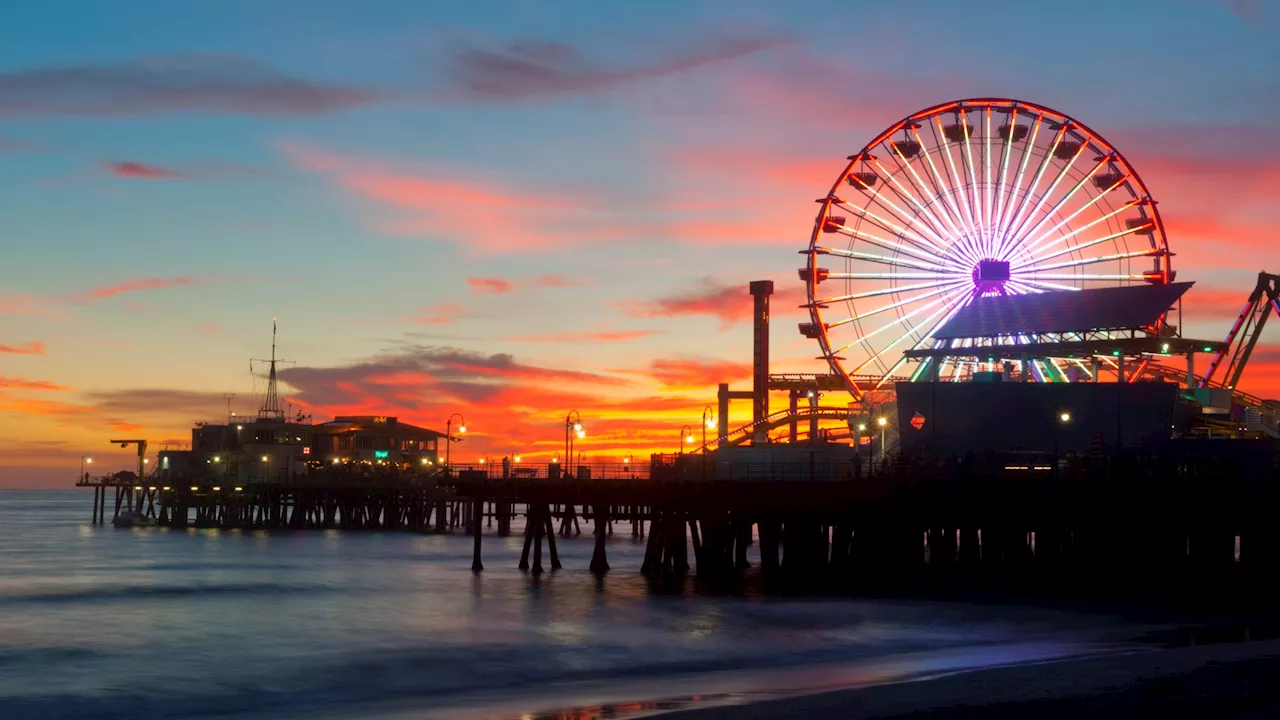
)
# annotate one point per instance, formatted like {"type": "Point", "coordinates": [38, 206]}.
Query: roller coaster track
{"type": "Point", "coordinates": [777, 420]}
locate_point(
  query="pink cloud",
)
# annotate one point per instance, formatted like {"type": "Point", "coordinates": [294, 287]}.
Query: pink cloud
{"type": "Point", "coordinates": [142, 284]}
{"type": "Point", "coordinates": [491, 286]}
{"type": "Point", "coordinates": [482, 214]}
{"type": "Point", "coordinates": [137, 170]}
{"type": "Point", "coordinates": [436, 315]}
{"type": "Point", "coordinates": [731, 304]}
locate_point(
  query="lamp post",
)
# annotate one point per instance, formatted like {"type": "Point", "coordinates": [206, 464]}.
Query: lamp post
{"type": "Point", "coordinates": [686, 437]}
{"type": "Point", "coordinates": [84, 460]}
{"type": "Point", "coordinates": [572, 429]}
{"type": "Point", "coordinates": [626, 461]}
{"type": "Point", "coordinates": [266, 468]}
{"type": "Point", "coordinates": [709, 422]}
{"type": "Point", "coordinates": [1064, 417]}
{"type": "Point", "coordinates": [883, 422]}
{"type": "Point", "coordinates": [448, 436]}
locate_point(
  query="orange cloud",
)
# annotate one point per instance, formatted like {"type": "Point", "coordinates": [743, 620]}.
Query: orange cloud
{"type": "Point", "coordinates": [121, 426]}
{"type": "Point", "coordinates": [589, 337]}
{"type": "Point", "coordinates": [697, 374]}
{"type": "Point", "coordinates": [493, 286]}
{"type": "Point", "coordinates": [29, 348]}
{"type": "Point", "coordinates": [21, 384]}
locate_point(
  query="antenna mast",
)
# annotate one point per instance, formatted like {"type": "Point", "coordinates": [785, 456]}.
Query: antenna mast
{"type": "Point", "coordinates": [229, 397]}
{"type": "Point", "coordinates": [271, 403]}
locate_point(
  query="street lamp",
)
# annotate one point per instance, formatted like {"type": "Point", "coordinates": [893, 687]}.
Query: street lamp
{"type": "Point", "coordinates": [686, 437]}
{"type": "Point", "coordinates": [572, 428]}
{"type": "Point", "coordinates": [266, 467]}
{"type": "Point", "coordinates": [709, 422]}
{"type": "Point", "coordinates": [84, 460]}
{"type": "Point", "coordinates": [883, 422]}
{"type": "Point", "coordinates": [1064, 417]}
{"type": "Point", "coordinates": [627, 462]}
{"type": "Point", "coordinates": [448, 435]}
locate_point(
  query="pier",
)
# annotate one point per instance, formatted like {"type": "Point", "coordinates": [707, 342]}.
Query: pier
{"type": "Point", "coordinates": [1195, 523]}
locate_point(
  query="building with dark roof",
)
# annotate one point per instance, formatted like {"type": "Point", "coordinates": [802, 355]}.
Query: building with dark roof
{"type": "Point", "coordinates": [373, 438]}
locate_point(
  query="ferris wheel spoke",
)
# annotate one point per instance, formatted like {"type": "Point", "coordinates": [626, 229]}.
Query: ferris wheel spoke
{"type": "Point", "coordinates": [886, 244]}
{"type": "Point", "coordinates": [878, 293]}
{"type": "Point", "coordinates": [1069, 276]}
{"type": "Point", "coordinates": [1016, 219]}
{"type": "Point", "coordinates": [1016, 237]}
{"type": "Point", "coordinates": [1091, 261]}
{"type": "Point", "coordinates": [923, 210]}
{"type": "Point", "coordinates": [895, 262]}
{"type": "Point", "coordinates": [918, 183]}
{"type": "Point", "coordinates": [997, 210]}
{"type": "Point", "coordinates": [884, 276]}
{"type": "Point", "coordinates": [1035, 262]}
{"type": "Point", "coordinates": [900, 303]}
{"type": "Point", "coordinates": [1014, 195]}
{"type": "Point", "coordinates": [892, 323]}
{"type": "Point", "coordinates": [901, 214]}
{"type": "Point", "coordinates": [976, 202]}
{"type": "Point", "coordinates": [961, 200]}
{"type": "Point", "coordinates": [949, 304]}
{"type": "Point", "coordinates": [1031, 246]}
{"type": "Point", "coordinates": [916, 240]}
{"type": "Point", "coordinates": [1061, 201]}
{"type": "Point", "coordinates": [942, 188]}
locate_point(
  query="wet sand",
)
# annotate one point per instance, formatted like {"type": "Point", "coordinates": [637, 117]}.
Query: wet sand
{"type": "Point", "coordinates": [1236, 681]}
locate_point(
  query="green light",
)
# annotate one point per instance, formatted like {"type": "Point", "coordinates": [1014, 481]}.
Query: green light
{"type": "Point", "coordinates": [1116, 353]}
{"type": "Point", "coordinates": [1208, 349]}
{"type": "Point", "coordinates": [381, 454]}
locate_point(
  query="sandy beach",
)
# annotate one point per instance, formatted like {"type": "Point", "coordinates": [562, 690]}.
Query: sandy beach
{"type": "Point", "coordinates": [1238, 680]}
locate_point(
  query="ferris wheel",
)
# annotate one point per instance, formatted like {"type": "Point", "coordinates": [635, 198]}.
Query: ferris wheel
{"type": "Point", "coordinates": [963, 200]}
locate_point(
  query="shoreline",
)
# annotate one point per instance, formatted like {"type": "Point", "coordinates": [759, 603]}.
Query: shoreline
{"type": "Point", "coordinates": [1227, 679]}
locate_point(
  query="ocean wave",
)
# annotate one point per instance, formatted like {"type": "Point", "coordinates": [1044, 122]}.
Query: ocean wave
{"type": "Point", "coordinates": [432, 679]}
{"type": "Point", "coordinates": [134, 592]}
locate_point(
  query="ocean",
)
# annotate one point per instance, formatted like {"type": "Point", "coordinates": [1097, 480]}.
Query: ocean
{"type": "Point", "coordinates": [99, 622]}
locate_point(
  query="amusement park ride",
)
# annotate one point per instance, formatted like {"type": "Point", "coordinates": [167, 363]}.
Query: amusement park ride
{"type": "Point", "coordinates": [1001, 241]}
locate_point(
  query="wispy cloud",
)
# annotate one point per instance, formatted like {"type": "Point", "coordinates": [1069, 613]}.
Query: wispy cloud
{"type": "Point", "coordinates": [730, 303]}
{"type": "Point", "coordinates": [130, 169]}
{"type": "Point", "coordinates": [23, 384]}
{"type": "Point", "coordinates": [480, 212]}
{"type": "Point", "coordinates": [697, 373]}
{"type": "Point", "coordinates": [490, 286]}
{"type": "Point", "coordinates": [436, 315]}
{"type": "Point", "coordinates": [142, 284]}
{"type": "Point", "coordinates": [188, 83]}
{"type": "Point", "coordinates": [602, 336]}
{"type": "Point", "coordinates": [27, 348]}
{"type": "Point", "coordinates": [530, 69]}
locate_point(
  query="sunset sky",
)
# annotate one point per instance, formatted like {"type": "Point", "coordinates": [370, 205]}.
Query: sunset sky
{"type": "Point", "coordinates": [514, 209]}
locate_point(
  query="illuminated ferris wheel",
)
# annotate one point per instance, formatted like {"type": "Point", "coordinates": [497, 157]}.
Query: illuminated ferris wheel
{"type": "Point", "coordinates": [969, 199]}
